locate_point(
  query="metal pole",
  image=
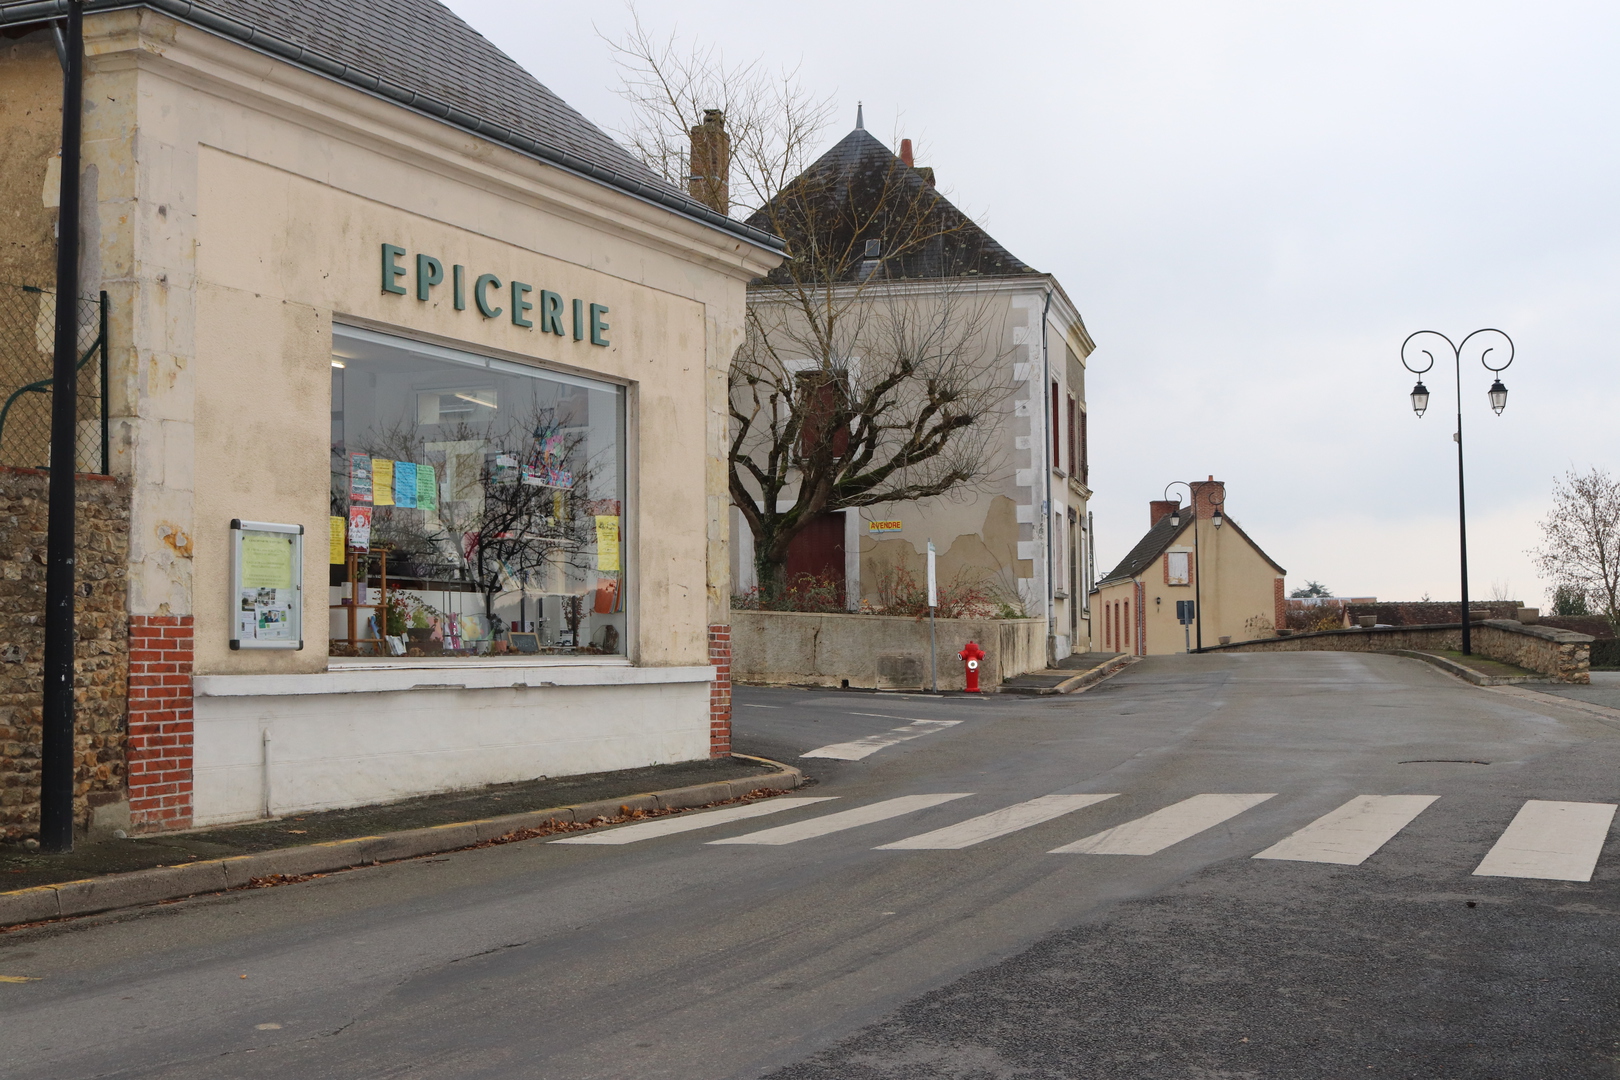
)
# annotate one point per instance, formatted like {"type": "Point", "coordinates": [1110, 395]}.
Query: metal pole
{"type": "Point", "coordinates": [933, 601]}
{"type": "Point", "coordinates": [1462, 516]}
{"type": "Point", "coordinates": [1198, 571]}
{"type": "Point", "coordinates": [56, 737]}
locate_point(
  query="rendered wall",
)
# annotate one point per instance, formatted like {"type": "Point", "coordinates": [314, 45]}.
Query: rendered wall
{"type": "Point", "coordinates": [877, 651]}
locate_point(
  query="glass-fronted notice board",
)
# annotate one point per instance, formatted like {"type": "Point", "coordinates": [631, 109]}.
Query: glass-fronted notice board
{"type": "Point", "coordinates": [267, 585]}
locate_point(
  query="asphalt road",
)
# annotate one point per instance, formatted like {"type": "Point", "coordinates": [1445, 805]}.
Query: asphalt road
{"type": "Point", "coordinates": [808, 952]}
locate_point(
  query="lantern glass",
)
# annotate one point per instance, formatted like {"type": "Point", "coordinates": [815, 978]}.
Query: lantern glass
{"type": "Point", "coordinates": [1498, 396]}
{"type": "Point", "coordinates": [1218, 518]}
{"type": "Point", "coordinates": [1175, 519]}
{"type": "Point", "coordinates": [1420, 398]}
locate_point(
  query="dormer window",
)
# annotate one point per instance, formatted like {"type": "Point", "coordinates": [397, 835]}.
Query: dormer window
{"type": "Point", "coordinates": [874, 249]}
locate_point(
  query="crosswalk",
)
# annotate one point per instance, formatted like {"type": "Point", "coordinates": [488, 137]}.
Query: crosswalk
{"type": "Point", "coordinates": [1553, 841]}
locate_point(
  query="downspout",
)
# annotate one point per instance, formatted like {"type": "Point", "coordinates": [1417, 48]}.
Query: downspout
{"type": "Point", "coordinates": [1046, 507]}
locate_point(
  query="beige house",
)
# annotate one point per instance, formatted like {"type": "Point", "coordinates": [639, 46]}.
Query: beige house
{"type": "Point", "coordinates": [1021, 528]}
{"type": "Point", "coordinates": [1203, 557]}
{"type": "Point", "coordinates": [375, 293]}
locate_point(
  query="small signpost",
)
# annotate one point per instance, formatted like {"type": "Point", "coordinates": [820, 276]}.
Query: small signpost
{"type": "Point", "coordinates": [933, 602]}
{"type": "Point", "coordinates": [1186, 612]}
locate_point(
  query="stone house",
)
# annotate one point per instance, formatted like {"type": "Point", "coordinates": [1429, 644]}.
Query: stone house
{"type": "Point", "coordinates": [1021, 527]}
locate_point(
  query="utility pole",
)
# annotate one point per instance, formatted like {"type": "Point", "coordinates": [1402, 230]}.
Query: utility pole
{"type": "Point", "coordinates": [56, 735]}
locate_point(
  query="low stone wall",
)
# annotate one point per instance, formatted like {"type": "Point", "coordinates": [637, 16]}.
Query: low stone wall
{"type": "Point", "coordinates": [101, 658]}
{"type": "Point", "coordinates": [1559, 654]}
{"type": "Point", "coordinates": [785, 648]}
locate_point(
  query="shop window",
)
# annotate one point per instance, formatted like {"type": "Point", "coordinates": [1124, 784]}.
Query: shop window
{"type": "Point", "coordinates": [477, 504]}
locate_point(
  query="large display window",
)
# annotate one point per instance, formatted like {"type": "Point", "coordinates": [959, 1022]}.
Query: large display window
{"type": "Point", "coordinates": [477, 505]}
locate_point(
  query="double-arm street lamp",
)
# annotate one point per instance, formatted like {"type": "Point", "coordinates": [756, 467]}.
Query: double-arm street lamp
{"type": "Point", "coordinates": [1216, 501]}
{"type": "Point", "coordinates": [1489, 344]}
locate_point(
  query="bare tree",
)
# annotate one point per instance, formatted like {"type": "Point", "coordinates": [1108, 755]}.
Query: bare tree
{"type": "Point", "coordinates": [871, 368]}
{"type": "Point", "coordinates": [1580, 548]}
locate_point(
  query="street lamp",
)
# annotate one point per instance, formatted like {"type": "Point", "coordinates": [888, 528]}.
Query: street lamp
{"type": "Point", "coordinates": [1216, 500]}
{"type": "Point", "coordinates": [1426, 343]}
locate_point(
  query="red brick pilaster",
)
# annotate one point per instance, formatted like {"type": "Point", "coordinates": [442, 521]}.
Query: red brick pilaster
{"type": "Point", "coordinates": [160, 722]}
{"type": "Point", "coordinates": [1282, 605]}
{"type": "Point", "coordinates": [1140, 645]}
{"type": "Point", "coordinates": [720, 690]}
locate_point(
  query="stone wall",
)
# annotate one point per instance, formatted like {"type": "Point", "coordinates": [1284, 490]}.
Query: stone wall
{"type": "Point", "coordinates": [102, 656]}
{"type": "Point", "coordinates": [1560, 654]}
{"type": "Point", "coordinates": [1430, 612]}
{"type": "Point", "coordinates": [790, 648]}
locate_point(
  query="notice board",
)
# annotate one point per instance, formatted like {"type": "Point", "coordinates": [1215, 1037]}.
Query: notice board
{"type": "Point", "coordinates": [267, 585]}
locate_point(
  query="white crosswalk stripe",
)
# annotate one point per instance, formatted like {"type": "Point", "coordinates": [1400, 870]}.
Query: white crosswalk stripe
{"type": "Point", "coordinates": [1162, 828]}
{"type": "Point", "coordinates": [1554, 841]}
{"type": "Point", "coordinates": [856, 749]}
{"type": "Point", "coordinates": [997, 823]}
{"type": "Point", "coordinates": [844, 819]}
{"type": "Point", "coordinates": [679, 823]}
{"type": "Point", "coordinates": [1349, 835]}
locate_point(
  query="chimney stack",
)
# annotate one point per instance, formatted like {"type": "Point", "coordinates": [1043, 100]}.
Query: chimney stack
{"type": "Point", "coordinates": [905, 153]}
{"type": "Point", "coordinates": [709, 176]}
{"type": "Point", "coordinates": [1207, 495]}
{"type": "Point", "coordinates": [1159, 509]}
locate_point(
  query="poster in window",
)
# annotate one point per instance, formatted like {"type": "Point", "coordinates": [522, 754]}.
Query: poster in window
{"type": "Point", "coordinates": [336, 537]}
{"type": "Point", "coordinates": [359, 478]}
{"type": "Point", "coordinates": [267, 585]}
{"type": "Point", "coordinates": [427, 490]}
{"type": "Point", "coordinates": [405, 484]}
{"type": "Point", "coordinates": [360, 528]}
{"type": "Point", "coordinates": [382, 482]}
{"type": "Point", "coordinates": [607, 543]}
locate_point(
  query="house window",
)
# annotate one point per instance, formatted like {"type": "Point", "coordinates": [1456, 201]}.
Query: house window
{"type": "Point", "coordinates": [1074, 450]}
{"type": "Point", "coordinates": [825, 396]}
{"type": "Point", "coordinates": [1177, 568]}
{"type": "Point", "coordinates": [494, 491]}
{"type": "Point", "coordinates": [1084, 459]}
{"type": "Point", "coordinates": [1057, 431]}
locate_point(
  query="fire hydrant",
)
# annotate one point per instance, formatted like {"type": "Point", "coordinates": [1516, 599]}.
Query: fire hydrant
{"type": "Point", "coordinates": [972, 654]}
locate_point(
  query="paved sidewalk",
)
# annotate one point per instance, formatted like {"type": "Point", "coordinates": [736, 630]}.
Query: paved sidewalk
{"type": "Point", "coordinates": [21, 869]}
{"type": "Point", "coordinates": [1604, 690]}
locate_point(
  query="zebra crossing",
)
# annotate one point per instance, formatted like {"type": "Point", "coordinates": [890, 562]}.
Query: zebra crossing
{"type": "Point", "coordinates": [1546, 840]}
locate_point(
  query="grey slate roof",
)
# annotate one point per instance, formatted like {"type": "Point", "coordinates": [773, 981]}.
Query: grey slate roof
{"type": "Point", "coordinates": [420, 54]}
{"type": "Point", "coordinates": [1149, 548]}
{"type": "Point", "coordinates": [851, 175]}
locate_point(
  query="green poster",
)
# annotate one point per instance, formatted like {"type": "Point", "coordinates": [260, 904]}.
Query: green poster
{"type": "Point", "coordinates": [266, 561]}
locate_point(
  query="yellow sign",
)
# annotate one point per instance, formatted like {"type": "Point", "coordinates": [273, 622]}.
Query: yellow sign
{"type": "Point", "coordinates": [607, 542]}
{"type": "Point", "coordinates": [266, 562]}
{"type": "Point", "coordinates": [382, 482]}
{"type": "Point", "coordinates": [337, 529]}
{"type": "Point", "coordinates": [883, 526]}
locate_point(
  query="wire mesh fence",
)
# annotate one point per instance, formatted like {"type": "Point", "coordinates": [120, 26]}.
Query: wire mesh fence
{"type": "Point", "coordinates": [27, 345]}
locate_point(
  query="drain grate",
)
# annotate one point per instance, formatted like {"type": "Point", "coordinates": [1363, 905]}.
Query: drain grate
{"type": "Point", "coordinates": [1442, 761]}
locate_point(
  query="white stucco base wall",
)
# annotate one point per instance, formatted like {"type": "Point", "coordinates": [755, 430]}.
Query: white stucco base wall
{"type": "Point", "coordinates": [261, 754]}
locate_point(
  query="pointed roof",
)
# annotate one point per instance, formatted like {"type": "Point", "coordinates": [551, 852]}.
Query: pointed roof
{"type": "Point", "coordinates": [848, 182]}
{"type": "Point", "coordinates": [1159, 538]}
{"type": "Point", "coordinates": [419, 54]}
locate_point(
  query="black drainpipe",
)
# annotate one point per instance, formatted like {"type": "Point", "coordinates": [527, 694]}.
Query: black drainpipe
{"type": "Point", "coordinates": [56, 737]}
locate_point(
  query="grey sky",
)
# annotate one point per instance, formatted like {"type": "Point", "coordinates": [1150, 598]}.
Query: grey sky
{"type": "Point", "coordinates": [1253, 204]}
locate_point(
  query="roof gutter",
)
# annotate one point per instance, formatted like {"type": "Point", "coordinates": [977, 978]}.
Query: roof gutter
{"type": "Point", "coordinates": [203, 18]}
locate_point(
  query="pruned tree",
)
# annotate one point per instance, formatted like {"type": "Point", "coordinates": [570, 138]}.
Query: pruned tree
{"type": "Point", "coordinates": [872, 365]}
{"type": "Point", "coordinates": [1580, 549]}
{"type": "Point", "coordinates": [1311, 588]}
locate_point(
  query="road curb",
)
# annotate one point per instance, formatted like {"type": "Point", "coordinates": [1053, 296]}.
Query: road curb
{"type": "Point", "coordinates": [1589, 708]}
{"type": "Point", "coordinates": [1079, 681]}
{"type": "Point", "coordinates": [90, 896]}
{"type": "Point", "coordinates": [1463, 671]}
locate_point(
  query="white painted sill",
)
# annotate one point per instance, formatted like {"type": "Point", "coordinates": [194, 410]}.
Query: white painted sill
{"type": "Point", "coordinates": [459, 675]}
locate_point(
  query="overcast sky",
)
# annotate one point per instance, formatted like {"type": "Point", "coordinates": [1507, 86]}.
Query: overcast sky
{"type": "Point", "coordinates": [1252, 204]}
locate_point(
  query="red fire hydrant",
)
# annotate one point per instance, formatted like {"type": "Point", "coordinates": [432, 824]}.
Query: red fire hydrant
{"type": "Point", "coordinates": [972, 654]}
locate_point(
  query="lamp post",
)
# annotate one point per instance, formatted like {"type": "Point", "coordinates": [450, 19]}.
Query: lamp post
{"type": "Point", "coordinates": [1217, 501]}
{"type": "Point", "coordinates": [1426, 343]}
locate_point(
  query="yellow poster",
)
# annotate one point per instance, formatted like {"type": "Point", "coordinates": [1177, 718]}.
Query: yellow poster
{"type": "Point", "coordinates": [382, 482]}
{"type": "Point", "coordinates": [266, 561]}
{"type": "Point", "coordinates": [337, 529]}
{"type": "Point", "coordinates": [607, 542]}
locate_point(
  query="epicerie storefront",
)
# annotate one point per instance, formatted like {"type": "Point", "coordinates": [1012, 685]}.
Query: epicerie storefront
{"type": "Point", "coordinates": [425, 440]}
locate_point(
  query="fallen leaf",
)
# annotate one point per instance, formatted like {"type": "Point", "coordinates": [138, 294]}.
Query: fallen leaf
{"type": "Point", "coordinates": [18, 978]}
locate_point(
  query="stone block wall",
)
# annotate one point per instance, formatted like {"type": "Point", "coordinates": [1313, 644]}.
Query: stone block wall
{"type": "Point", "coordinates": [101, 656]}
{"type": "Point", "coordinates": [1560, 654]}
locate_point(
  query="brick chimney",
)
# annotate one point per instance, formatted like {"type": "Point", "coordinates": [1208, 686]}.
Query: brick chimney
{"type": "Point", "coordinates": [905, 153]}
{"type": "Point", "coordinates": [1159, 509]}
{"type": "Point", "coordinates": [1207, 495]}
{"type": "Point", "coordinates": [709, 177]}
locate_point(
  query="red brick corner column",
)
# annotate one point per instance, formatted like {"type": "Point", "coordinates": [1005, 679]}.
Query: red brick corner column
{"type": "Point", "coordinates": [160, 722]}
{"type": "Point", "coordinates": [720, 690]}
{"type": "Point", "coordinates": [1282, 605]}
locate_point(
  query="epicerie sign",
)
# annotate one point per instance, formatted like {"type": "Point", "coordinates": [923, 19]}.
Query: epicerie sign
{"type": "Point", "coordinates": [491, 297]}
{"type": "Point", "coordinates": [877, 528]}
